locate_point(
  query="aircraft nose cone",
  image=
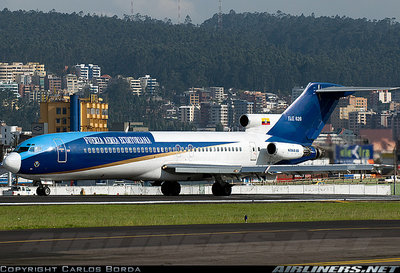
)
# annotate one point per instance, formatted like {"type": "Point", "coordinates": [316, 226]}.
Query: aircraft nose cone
{"type": "Point", "coordinates": [12, 162]}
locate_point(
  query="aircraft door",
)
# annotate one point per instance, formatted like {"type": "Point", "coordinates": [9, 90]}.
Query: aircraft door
{"type": "Point", "coordinates": [253, 151]}
{"type": "Point", "coordinates": [61, 150]}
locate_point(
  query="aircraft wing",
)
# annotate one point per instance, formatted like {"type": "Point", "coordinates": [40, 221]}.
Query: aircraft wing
{"type": "Point", "coordinates": [264, 169]}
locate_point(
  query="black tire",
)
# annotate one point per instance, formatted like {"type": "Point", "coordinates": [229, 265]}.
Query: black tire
{"type": "Point", "coordinates": [46, 191]}
{"type": "Point", "coordinates": [224, 189]}
{"type": "Point", "coordinates": [171, 188]}
{"type": "Point", "coordinates": [216, 189]}
{"type": "Point", "coordinates": [165, 188]}
{"type": "Point", "coordinates": [39, 191]}
{"type": "Point", "coordinates": [175, 188]}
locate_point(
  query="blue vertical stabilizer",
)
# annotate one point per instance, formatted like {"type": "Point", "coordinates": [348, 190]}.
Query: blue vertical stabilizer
{"type": "Point", "coordinates": [303, 121]}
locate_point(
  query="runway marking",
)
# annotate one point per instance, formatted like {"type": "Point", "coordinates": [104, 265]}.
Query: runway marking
{"type": "Point", "coordinates": [369, 261]}
{"type": "Point", "coordinates": [357, 228]}
{"type": "Point", "coordinates": [192, 234]}
{"type": "Point", "coordinates": [146, 235]}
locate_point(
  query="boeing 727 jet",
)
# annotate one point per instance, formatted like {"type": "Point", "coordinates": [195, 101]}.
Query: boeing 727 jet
{"type": "Point", "coordinates": [271, 143]}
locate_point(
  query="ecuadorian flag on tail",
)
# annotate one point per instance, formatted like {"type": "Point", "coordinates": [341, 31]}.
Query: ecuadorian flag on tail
{"type": "Point", "coordinates": [265, 121]}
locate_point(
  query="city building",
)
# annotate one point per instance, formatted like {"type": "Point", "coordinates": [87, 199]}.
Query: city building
{"type": "Point", "coordinates": [149, 84]}
{"type": "Point", "coordinates": [102, 82]}
{"type": "Point", "coordinates": [187, 113]}
{"type": "Point", "coordinates": [9, 134]}
{"type": "Point", "coordinates": [71, 84]}
{"type": "Point", "coordinates": [10, 71]}
{"type": "Point", "coordinates": [218, 115]}
{"type": "Point", "coordinates": [88, 71]}
{"type": "Point", "coordinates": [360, 119]}
{"type": "Point", "coordinates": [135, 86]}
{"type": "Point", "coordinates": [93, 114]}
{"type": "Point", "coordinates": [217, 93]}
{"type": "Point", "coordinates": [53, 83]}
{"type": "Point", "coordinates": [11, 87]}
{"type": "Point", "coordinates": [296, 92]}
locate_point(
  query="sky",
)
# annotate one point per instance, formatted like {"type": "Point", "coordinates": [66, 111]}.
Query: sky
{"type": "Point", "coordinates": [200, 10]}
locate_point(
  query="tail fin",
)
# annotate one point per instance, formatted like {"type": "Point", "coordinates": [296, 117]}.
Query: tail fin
{"type": "Point", "coordinates": [303, 121]}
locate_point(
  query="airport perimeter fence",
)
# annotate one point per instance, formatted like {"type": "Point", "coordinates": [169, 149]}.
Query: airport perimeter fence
{"type": "Point", "coordinates": [201, 189]}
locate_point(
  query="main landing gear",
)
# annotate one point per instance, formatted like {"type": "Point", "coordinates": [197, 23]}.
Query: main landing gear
{"type": "Point", "coordinates": [171, 188]}
{"type": "Point", "coordinates": [221, 188]}
{"type": "Point", "coordinates": [42, 190]}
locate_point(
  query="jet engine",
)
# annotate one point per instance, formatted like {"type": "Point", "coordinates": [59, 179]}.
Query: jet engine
{"type": "Point", "coordinates": [290, 151]}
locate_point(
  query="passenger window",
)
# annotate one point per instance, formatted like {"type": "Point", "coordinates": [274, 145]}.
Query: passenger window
{"type": "Point", "coordinates": [158, 149]}
{"type": "Point", "coordinates": [97, 150]}
{"type": "Point", "coordinates": [126, 150]}
{"type": "Point", "coordinates": [114, 150]}
{"type": "Point", "coordinates": [101, 150]}
{"type": "Point", "coordinates": [122, 150]}
{"type": "Point", "coordinates": [110, 150]}
{"type": "Point", "coordinates": [89, 150]}
{"type": "Point", "coordinates": [146, 150]}
{"type": "Point", "coordinates": [142, 150]}
{"type": "Point", "coordinates": [84, 150]}
{"type": "Point", "coordinates": [130, 149]}
{"type": "Point", "coordinates": [106, 150]}
{"type": "Point", "coordinates": [118, 150]}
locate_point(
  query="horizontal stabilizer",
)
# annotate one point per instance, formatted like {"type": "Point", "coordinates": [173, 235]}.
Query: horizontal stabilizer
{"type": "Point", "coordinates": [353, 89]}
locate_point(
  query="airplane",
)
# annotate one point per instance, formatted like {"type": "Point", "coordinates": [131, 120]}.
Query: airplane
{"type": "Point", "coordinates": [271, 143]}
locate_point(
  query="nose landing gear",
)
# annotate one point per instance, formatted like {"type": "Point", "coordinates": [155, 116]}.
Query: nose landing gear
{"type": "Point", "coordinates": [42, 190]}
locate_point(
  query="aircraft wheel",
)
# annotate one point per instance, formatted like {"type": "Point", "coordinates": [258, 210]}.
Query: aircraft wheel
{"type": "Point", "coordinates": [219, 189]}
{"type": "Point", "coordinates": [46, 191]}
{"type": "Point", "coordinates": [226, 189]}
{"type": "Point", "coordinates": [40, 191]}
{"type": "Point", "coordinates": [171, 188]}
{"type": "Point", "coordinates": [216, 189]}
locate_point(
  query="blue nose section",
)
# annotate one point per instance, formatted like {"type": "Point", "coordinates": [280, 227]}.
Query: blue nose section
{"type": "Point", "coordinates": [12, 162]}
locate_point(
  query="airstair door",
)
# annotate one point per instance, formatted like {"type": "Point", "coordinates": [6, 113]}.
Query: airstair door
{"type": "Point", "coordinates": [61, 150]}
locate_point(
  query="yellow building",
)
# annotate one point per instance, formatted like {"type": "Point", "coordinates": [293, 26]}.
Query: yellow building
{"type": "Point", "coordinates": [94, 114]}
{"type": "Point", "coordinates": [57, 114]}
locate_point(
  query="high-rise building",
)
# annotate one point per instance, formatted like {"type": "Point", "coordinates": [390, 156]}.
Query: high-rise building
{"type": "Point", "coordinates": [217, 93]}
{"type": "Point", "coordinates": [135, 86]}
{"type": "Point", "coordinates": [149, 84]}
{"type": "Point", "coordinates": [71, 83]}
{"type": "Point", "coordinates": [102, 82]}
{"type": "Point", "coordinates": [53, 83]}
{"type": "Point", "coordinates": [88, 71]}
{"type": "Point", "coordinates": [9, 72]}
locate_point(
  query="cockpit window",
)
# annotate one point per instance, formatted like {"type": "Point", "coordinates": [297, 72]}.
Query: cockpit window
{"type": "Point", "coordinates": [22, 149]}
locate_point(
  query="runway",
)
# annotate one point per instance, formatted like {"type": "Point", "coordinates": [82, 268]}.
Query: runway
{"type": "Point", "coordinates": [159, 199]}
{"type": "Point", "coordinates": [317, 243]}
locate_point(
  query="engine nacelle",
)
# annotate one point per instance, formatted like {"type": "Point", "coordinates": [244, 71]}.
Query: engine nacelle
{"type": "Point", "coordinates": [290, 151]}
{"type": "Point", "coordinates": [259, 122]}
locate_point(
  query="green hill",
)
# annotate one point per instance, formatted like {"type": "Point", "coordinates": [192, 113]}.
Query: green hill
{"type": "Point", "coordinates": [256, 51]}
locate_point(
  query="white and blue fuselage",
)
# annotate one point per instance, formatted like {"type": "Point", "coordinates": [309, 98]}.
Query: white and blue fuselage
{"type": "Point", "coordinates": [134, 155]}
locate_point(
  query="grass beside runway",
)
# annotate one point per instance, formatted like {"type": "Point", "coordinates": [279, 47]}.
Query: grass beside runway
{"type": "Point", "coordinates": [69, 216]}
